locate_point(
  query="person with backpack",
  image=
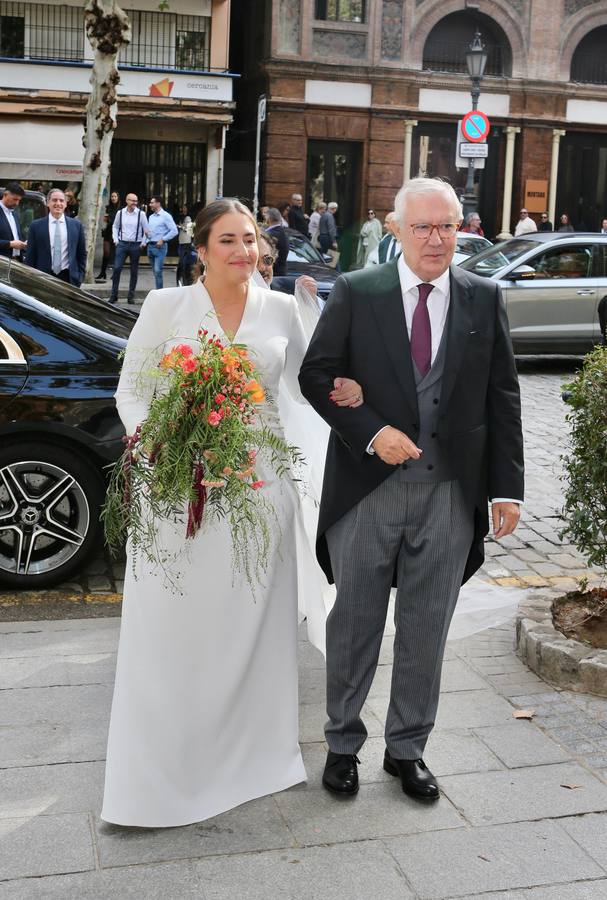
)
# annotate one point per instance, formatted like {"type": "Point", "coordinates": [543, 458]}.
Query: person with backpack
{"type": "Point", "coordinates": [130, 232]}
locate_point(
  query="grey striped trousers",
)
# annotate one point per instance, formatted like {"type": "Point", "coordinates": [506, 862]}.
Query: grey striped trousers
{"type": "Point", "coordinates": [425, 531]}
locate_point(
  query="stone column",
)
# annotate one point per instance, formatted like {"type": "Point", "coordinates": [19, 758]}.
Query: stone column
{"type": "Point", "coordinates": [557, 134]}
{"type": "Point", "coordinates": [511, 133]}
{"type": "Point", "coordinates": [409, 126]}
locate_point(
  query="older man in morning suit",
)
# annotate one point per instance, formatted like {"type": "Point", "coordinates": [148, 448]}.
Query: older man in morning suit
{"type": "Point", "coordinates": [409, 472]}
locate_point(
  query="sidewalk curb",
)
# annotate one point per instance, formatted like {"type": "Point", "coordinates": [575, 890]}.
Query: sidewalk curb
{"type": "Point", "coordinates": [38, 597]}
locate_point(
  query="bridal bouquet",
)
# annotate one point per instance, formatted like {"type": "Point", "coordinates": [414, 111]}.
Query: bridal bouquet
{"type": "Point", "coordinates": [197, 451]}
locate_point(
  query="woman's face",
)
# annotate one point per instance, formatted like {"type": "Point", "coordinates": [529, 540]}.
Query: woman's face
{"type": "Point", "coordinates": [371, 215]}
{"type": "Point", "coordinates": [184, 210]}
{"type": "Point", "coordinates": [231, 252]}
{"type": "Point", "coordinates": [114, 197]}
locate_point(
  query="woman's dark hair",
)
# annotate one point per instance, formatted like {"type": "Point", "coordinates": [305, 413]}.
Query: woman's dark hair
{"type": "Point", "coordinates": [207, 217]}
{"type": "Point", "coordinates": [119, 201]}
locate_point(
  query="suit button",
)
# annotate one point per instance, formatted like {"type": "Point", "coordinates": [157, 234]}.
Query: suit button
{"type": "Point", "coordinates": [430, 466]}
{"type": "Point", "coordinates": [435, 401]}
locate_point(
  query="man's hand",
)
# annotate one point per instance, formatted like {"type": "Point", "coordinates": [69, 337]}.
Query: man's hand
{"type": "Point", "coordinates": [394, 447]}
{"type": "Point", "coordinates": [505, 518]}
{"type": "Point", "coordinates": [18, 245]}
{"type": "Point", "coordinates": [347, 392]}
{"type": "Point", "coordinates": [159, 243]}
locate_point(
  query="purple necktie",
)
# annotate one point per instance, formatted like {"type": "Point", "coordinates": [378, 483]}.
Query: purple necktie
{"type": "Point", "coordinates": [421, 333]}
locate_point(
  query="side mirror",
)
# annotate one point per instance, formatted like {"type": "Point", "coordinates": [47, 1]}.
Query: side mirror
{"type": "Point", "coordinates": [521, 273]}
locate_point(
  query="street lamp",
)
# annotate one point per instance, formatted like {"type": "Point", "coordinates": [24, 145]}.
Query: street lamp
{"type": "Point", "coordinates": [476, 60]}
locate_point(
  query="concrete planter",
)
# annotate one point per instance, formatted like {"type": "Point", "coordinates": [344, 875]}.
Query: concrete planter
{"type": "Point", "coordinates": [563, 661]}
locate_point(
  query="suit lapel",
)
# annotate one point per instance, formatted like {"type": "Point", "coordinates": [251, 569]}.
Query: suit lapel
{"type": "Point", "coordinates": [459, 323]}
{"type": "Point", "coordinates": [390, 314]}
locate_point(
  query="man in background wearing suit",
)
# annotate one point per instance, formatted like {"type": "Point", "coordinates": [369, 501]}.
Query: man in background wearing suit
{"type": "Point", "coordinates": [56, 244]}
{"type": "Point", "coordinates": [11, 236]}
{"type": "Point", "coordinates": [409, 472]}
{"type": "Point", "coordinates": [279, 236]}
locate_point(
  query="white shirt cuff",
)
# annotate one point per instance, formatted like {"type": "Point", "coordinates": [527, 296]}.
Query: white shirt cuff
{"type": "Point", "coordinates": [370, 449]}
{"type": "Point", "coordinates": [506, 500]}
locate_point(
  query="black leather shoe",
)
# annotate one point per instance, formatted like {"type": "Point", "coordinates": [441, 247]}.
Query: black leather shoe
{"type": "Point", "coordinates": [341, 773]}
{"type": "Point", "coordinates": [130, 300]}
{"type": "Point", "coordinates": [416, 778]}
{"type": "Point", "coordinates": [113, 300]}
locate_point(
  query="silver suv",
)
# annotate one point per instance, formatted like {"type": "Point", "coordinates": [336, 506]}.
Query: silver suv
{"type": "Point", "coordinates": [554, 286]}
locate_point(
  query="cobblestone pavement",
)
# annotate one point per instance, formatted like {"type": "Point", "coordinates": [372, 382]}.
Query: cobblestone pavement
{"type": "Point", "coordinates": [524, 809]}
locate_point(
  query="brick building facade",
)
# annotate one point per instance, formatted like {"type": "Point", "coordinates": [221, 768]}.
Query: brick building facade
{"type": "Point", "coordinates": [362, 95]}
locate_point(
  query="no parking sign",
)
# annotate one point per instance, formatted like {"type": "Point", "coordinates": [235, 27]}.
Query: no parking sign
{"type": "Point", "coordinates": [475, 126]}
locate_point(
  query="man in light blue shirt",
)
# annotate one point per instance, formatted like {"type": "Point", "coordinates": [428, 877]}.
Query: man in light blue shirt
{"type": "Point", "coordinates": [162, 229]}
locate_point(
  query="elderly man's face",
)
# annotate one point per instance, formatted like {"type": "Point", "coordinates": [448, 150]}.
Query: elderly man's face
{"type": "Point", "coordinates": [296, 200]}
{"type": "Point", "coordinates": [524, 213]}
{"type": "Point", "coordinates": [428, 257]}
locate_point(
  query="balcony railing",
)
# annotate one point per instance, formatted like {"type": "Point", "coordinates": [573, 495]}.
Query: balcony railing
{"type": "Point", "coordinates": [450, 56]}
{"type": "Point", "coordinates": [34, 31]}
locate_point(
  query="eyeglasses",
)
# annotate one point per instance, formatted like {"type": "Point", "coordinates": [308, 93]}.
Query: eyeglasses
{"type": "Point", "coordinates": [544, 216]}
{"type": "Point", "coordinates": [445, 230]}
{"type": "Point", "coordinates": [268, 260]}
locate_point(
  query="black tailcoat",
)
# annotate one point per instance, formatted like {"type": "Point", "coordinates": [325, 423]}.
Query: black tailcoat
{"type": "Point", "coordinates": [362, 334]}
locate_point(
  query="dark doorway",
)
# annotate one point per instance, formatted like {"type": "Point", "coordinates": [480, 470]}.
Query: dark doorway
{"type": "Point", "coordinates": [582, 180]}
{"type": "Point", "coordinates": [177, 172]}
{"type": "Point", "coordinates": [433, 154]}
{"type": "Point", "coordinates": [334, 174]}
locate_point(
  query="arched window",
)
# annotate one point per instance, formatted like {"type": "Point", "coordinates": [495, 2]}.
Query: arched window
{"type": "Point", "coordinates": [446, 45]}
{"type": "Point", "coordinates": [589, 62]}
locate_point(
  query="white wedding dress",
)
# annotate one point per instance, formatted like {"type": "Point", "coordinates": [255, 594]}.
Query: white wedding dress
{"type": "Point", "coordinates": [205, 708]}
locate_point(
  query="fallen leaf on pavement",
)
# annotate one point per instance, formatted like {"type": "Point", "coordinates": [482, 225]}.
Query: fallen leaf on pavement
{"type": "Point", "coordinates": [523, 713]}
{"type": "Point", "coordinates": [573, 787]}
{"type": "Point", "coordinates": [485, 858]}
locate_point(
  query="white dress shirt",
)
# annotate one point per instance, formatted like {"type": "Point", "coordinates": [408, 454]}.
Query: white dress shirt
{"type": "Point", "coordinates": [13, 226]}
{"type": "Point", "coordinates": [65, 257]}
{"type": "Point", "coordinates": [125, 227]}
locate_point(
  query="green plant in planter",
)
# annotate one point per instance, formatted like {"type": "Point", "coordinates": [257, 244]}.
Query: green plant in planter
{"type": "Point", "coordinates": [585, 509]}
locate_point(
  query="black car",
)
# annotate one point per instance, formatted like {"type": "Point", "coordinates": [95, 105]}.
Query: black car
{"type": "Point", "coordinates": [304, 259]}
{"type": "Point", "coordinates": [59, 428]}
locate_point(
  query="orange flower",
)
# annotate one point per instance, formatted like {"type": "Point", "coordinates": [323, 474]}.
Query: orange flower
{"type": "Point", "coordinates": [256, 392]}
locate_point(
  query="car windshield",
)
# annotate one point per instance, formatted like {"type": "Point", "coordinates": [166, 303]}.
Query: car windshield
{"type": "Point", "coordinates": [491, 259]}
{"type": "Point", "coordinates": [470, 244]}
{"type": "Point", "coordinates": [68, 300]}
{"type": "Point", "coordinates": [303, 251]}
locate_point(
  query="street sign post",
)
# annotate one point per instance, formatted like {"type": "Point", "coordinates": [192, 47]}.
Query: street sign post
{"type": "Point", "coordinates": [261, 117]}
{"type": "Point", "coordinates": [470, 153]}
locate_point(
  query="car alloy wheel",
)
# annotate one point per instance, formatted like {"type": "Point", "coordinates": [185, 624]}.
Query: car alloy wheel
{"type": "Point", "coordinates": [49, 511]}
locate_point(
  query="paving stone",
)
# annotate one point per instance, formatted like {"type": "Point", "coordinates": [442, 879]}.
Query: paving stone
{"type": "Point", "coordinates": [35, 671]}
{"type": "Point", "coordinates": [581, 890]}
{"type": "Point", "coordinates": [99, 583]}
{"type": "Point", "coordinates": [521, 744]}
{"type": "Point", "coordinates": [79, 636]}
{"type": "Point", "coordinates": [590, 832]}
{"type": "Point", "coordinates": [489, 859]}
{"type": "Point", "coordinates": [45, 845]}
{"type": "Point", "coordinates": [256, 825]}
{"type": "Point", "coordinates": [361, 870]}
{"type": "Point", "coordinates": [63, 704]}
{"type": "Point", "coordinates": [457, 676]}
{"type": "Point", "coordinates": [472, 709]}
{"type": "Point", "coordinates": [524, 794]}
{"type": "Point", "coordinates": [46, 790]}
{"type": "Point", "coordinates": [317, 817]}
{"type": "Point", "coordinates": [312, 686]}
{"type": "Point", "coordinates": [169, 881]}
{"type": "Point", "coordinates": [48, 743]}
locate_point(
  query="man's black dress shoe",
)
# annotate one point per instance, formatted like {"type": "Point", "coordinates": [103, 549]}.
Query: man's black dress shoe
{"type": "Point", "coordinates": [416, 778]}
{"type": "Point", "coordinates": [341, 773]}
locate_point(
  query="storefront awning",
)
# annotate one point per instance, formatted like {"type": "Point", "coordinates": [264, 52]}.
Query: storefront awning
{"type": "Point", "coordinates": [50, 150]}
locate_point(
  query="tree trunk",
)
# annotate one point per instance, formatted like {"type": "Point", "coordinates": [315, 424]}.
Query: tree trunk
{"type": "Point", "coordinates": [108, 30]}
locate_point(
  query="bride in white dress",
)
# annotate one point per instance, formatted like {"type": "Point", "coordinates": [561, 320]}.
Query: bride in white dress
{"type": "Point", "coordinates": [205, 711]}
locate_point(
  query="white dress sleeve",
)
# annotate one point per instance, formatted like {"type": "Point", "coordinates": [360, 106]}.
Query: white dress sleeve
{"type": "Point", "coordinates": [143, 352]}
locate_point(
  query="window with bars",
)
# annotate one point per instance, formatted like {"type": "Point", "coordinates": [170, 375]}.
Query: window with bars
{"type": "Point", "coordinates": [341, 10]}
{"type": "Point", "coordinates": [160, 40]}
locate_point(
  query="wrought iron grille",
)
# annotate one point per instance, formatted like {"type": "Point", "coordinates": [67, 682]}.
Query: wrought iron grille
{"type": "Point", "coordinates": [160, 40]}
{"type": "Point", "coordinates": [450, 56]}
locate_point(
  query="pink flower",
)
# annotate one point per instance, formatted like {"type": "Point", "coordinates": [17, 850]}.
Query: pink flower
{"type": "Point", "coordinates": [188, 365]}
{"type": "Point", "coordinates": [184, 349]}
{"type": "Point", "coordinates": [214, 418]}
{"type": "Point", "coordinates": [219, 398]}
{"type": "Point", "coordinates": [257, 484]}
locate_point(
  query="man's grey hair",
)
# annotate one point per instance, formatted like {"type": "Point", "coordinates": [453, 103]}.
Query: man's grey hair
{"type": "Point", "coordinates": [54, 191]}
{"type": "Point", "coordinates": [273, 215]}
{"type": "Point", "coordinates": [417, 186]}
{"type": "Point", "coordinates": [470, 216]}
{"type": "Point", "coordinates": [321, 205]}
{"type": "Point", "coordinates": [332, 205]}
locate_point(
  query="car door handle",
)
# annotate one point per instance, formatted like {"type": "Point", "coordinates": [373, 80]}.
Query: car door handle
{"type": "Point", "coordinates": [585, 293]}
